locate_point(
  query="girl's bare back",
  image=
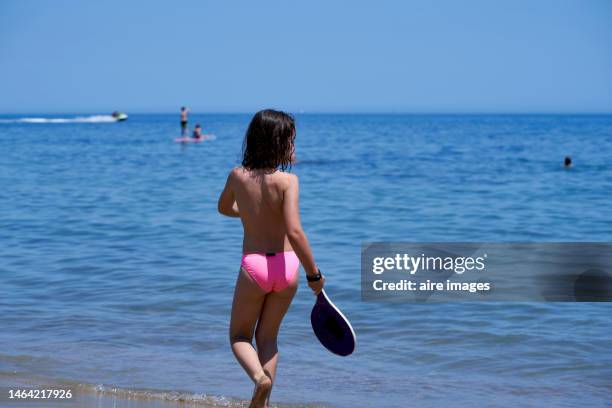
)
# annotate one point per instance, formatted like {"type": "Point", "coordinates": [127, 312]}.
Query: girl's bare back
{"type": "Point", "coordinates": [259, 197]}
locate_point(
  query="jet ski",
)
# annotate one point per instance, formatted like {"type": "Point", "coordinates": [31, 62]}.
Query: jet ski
{"type": "Point", "coordinates": [119, 116]}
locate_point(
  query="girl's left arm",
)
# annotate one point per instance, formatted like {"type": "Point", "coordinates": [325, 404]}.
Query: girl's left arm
{"type": "Point", "coordinates": [227, 202]}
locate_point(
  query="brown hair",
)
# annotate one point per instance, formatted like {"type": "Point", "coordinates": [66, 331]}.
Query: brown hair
{"type": "Point", "coordinates": [268, 143]}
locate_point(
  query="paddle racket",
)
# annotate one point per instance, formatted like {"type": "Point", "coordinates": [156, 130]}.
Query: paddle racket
{"type": "Point", "coordinates": [331, 327]}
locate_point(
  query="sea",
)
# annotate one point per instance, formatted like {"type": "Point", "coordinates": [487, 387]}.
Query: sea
{"type": "Point", "coordinates": [117, 272]}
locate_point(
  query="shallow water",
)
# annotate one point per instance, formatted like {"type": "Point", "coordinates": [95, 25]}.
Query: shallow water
{"type": "Point", "coordinates": [116, 270]}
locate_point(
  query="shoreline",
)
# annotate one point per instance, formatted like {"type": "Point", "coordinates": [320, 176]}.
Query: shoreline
{"type": "Point", "coordinates": [100, 395]}
{"type": "Point", "coordinates": [103, 396]}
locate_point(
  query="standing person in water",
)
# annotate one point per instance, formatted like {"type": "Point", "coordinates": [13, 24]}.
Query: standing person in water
{"type": "Point", "coordinates": [265, 198]}
{"type": "Point", "coordinates": [184, 112]}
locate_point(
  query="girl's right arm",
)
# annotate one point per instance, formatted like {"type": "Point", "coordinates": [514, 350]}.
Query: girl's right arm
{"type": "Point", "coordinates": [296, 235]}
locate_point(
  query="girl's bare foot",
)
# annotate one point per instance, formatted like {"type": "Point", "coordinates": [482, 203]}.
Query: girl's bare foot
{"type": "Point", "coordinates": [263, 386]}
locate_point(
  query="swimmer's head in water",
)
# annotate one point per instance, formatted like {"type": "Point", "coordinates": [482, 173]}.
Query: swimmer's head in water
{"type": "Point", "coordinates": [268, 143]}
{"type": "Point", "coordinates": [567, 161]}
{"type": "Point", "coordinates": [197, 126]}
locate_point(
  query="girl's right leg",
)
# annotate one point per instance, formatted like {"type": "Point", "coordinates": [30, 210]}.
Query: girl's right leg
{"type": "Point", "coordinates": [246, 308]}
{"type": "Point", "coordinates": [272, 314]}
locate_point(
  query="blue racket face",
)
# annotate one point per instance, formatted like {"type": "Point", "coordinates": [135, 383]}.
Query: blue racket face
{"type": "Point", "coordinates": [331, 327]}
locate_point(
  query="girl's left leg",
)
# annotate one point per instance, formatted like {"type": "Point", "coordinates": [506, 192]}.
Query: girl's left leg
{"type": "Point", "coordinates": [246, 309]}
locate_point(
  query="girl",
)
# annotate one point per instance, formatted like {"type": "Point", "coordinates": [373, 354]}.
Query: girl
{"type": "Point", "coordinates": [274, 244]}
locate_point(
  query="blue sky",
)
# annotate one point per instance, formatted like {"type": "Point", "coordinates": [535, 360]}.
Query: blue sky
{"type": "Point", "coordinates": [337, 56]}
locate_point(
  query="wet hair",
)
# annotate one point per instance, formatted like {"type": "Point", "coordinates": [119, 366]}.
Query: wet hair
{"type": "Point", "coordinates": [567, 161]}
{"type": "Point", "coordinates": [268, 143]}
{"type": "Point", "coordinates": [197, 125]}
{"type": "Point", "coordinates": [182, 108]}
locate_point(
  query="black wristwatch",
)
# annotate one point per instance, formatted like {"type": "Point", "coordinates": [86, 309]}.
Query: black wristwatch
{"type": "Point", "coordinates": [314, 278]}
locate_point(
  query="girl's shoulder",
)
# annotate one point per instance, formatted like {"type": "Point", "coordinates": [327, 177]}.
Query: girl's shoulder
{"type": "Point", "coordinates": [235, 176]}
{"type": "Point", "coordinates": [238, 172]}
{"type": "Point", "coordinates": [287, 180]}
{"type": "Point", "coordinates": [284, 179]}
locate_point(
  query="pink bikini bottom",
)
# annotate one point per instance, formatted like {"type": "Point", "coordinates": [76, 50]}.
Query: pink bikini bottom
{"type": "Point", "coordinates": [271, 271]}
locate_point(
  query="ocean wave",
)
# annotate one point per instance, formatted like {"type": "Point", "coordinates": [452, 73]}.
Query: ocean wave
{"type": "Point", "coordinates": [160, 395]}
{"type": "Point", "coordinates": [78, 119]}
{"type": "Point", "coordinates": [163, 398]}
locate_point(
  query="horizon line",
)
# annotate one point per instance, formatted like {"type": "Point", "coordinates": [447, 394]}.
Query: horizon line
{"type": "Point", "coordinates": [315, 112]}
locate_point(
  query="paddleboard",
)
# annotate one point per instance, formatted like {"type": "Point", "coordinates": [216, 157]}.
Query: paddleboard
{"type": "Point", "coordinates": [193, 139]}
{"type": "Point", "coordinates": [331, 327]}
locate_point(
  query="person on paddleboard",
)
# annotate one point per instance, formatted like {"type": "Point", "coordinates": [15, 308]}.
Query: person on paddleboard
{"type": "Point", "coordinates": [184, 118]}
{"type": "Point", "coordinates": [265, 198]}
{"type": "Point", "coordinates": [197, 132]}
